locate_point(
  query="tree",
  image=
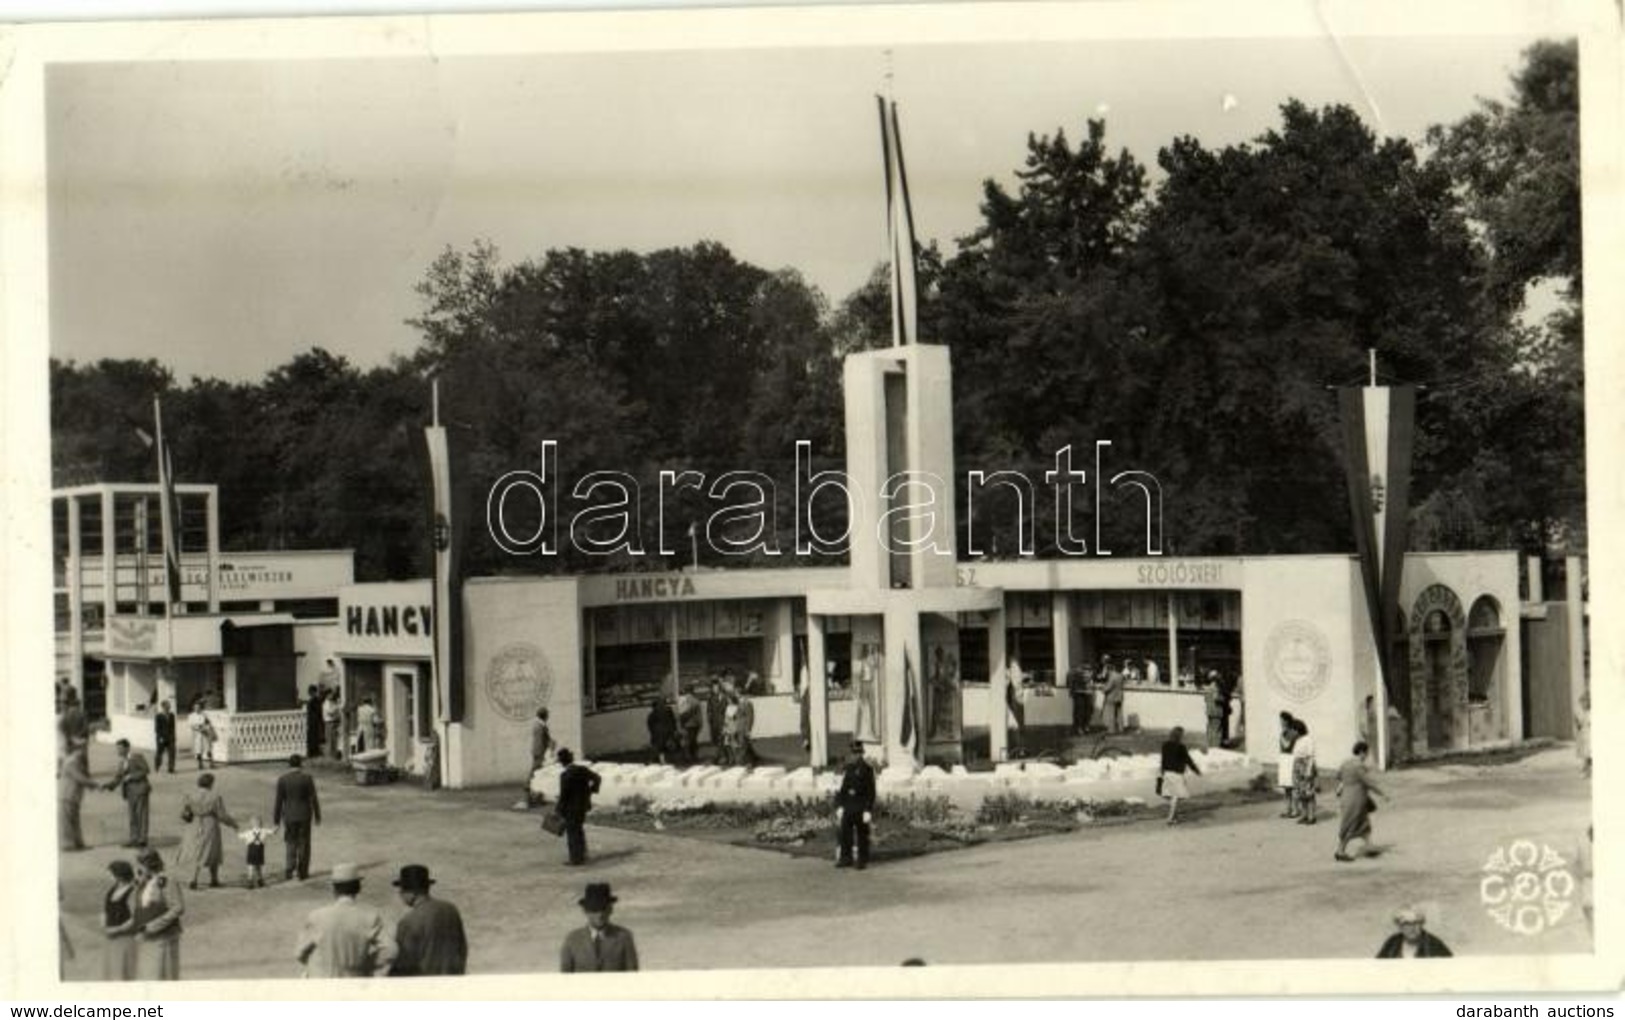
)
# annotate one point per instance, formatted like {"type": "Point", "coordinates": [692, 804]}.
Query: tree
{"type": "Point", "coordinates": [1516, 168]}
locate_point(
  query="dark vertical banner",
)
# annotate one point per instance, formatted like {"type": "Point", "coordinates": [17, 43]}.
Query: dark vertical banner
{"type": "Point", "coordinates": [899, 229]}
{"type": "Point", "coordinates": [169, 513]}
{"type": "Point", "coordinates": [447, 462]}
{"type": "Point", "coordinates": [1379, 429]}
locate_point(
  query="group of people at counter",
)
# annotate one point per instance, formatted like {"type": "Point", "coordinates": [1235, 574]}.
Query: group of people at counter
{"type": "Point", "coordinates": [723, 707]}
{"type": "Point", "coordinates": [1222, 692]}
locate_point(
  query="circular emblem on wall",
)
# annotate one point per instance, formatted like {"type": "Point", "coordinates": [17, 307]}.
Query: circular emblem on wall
{"type": "Point", "coordinates": [518, 681]}
{"type": "Point", "coordinates": [1299, 660]}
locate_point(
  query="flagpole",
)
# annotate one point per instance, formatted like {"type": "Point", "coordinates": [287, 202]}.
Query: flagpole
{"type": "Point", "coordinates": [167, 526]}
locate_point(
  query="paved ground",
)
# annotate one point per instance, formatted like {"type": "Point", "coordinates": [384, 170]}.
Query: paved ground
{"type": "Point", "coordinates": [1235, 883]}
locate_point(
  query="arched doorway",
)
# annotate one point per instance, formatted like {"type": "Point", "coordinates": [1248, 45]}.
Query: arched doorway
{"type": "Point", "coordinates": [1486, 658]}
{"type": "Point", "coordinates": [1438, 668]}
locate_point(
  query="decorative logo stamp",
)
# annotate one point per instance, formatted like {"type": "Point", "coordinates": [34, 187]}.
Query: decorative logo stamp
{"type": "Point", "coordinates": [1298, 659]}
{"type": "Point", "coordinates": [518, 681]}
{"type": "Point", "coordinates": [1526, 888]}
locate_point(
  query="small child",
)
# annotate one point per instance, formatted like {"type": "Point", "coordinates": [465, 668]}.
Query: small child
{"type": "Point", "coordinates": [255, 836]}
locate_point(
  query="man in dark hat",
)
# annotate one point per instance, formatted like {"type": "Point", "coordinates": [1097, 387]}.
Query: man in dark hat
{"type": "Point", "coordinates": [134, 783]}
{"type": "Point", "coordinates": [296, 809]}
{"type": "Point", "coordinates": [600, 945]}
{"type": "Point", "coordinates": [345, 939]}
{"type": "Point", "coordinates": [856, 800]}
{"type": "Point", "coordinates": [577, 784]}
{"type": "Point", "coordinates": [429, 939]}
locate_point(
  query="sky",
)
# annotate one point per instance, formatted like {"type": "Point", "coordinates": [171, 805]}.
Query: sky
{"type": "Point", "coordinates": [223, 216]}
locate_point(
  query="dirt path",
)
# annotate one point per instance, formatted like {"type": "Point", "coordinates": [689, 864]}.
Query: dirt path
{"type": "Point", "coordinates": [1234, 883]}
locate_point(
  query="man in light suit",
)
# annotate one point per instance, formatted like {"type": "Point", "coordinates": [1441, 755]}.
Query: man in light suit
{"type": "Point", "coordinates": [345, 939]}
{"type": "Point", "coordinates": [72, 780]}
{"type": "Point", "coordinates": [132, 780]}
{"type": "Point", "coordinates": [296, 810]}
{"type": "Point", "coordinates": [600, 946]}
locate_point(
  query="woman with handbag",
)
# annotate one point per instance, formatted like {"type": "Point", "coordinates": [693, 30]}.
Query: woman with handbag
{"type": "Point", "coordinates": [158, 907]}
{"type": "Point", "coordinates": [206, 811]}
{"type": "Point", "coordinates": [1355, 803]}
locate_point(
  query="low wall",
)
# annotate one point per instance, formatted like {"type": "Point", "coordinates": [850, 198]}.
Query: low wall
{"type": "Point", "coordinates": [1099, 780]}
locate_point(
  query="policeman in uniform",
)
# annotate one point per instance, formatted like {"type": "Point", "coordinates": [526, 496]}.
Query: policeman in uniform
{"type": "Point", "coordinates": [856, 801]}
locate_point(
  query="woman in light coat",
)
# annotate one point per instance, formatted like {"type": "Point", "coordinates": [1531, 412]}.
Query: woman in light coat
{"type": "Point", "coordinates": [206, 810]}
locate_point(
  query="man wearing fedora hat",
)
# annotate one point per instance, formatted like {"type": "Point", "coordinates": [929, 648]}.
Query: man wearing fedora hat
{"type": "Point", "coordinates": [600, 945]}
{"type": "Point", "coordinates": [345, 939]}
{"type": "Point", "coordinates": [429, 940]}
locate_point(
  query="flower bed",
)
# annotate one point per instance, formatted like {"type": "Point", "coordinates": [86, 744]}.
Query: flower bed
{"type": "Point", "coordinates": [903, 825]}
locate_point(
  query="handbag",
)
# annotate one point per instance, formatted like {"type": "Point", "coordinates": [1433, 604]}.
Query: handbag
{"type": "Point", "coordinates": [186, 813]}
{"type": "Point", "coordinates": [553, 823]}
{"type": "Point", "coordinates": [1370, 804]}
{"type": "Point", "coordinates": [1159, 786]}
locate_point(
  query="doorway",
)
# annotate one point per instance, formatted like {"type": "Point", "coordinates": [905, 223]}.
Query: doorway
{"type": "Point", "coordinates": [1436, 645]}
{"type": "Point", "coordinates": [401, 724]}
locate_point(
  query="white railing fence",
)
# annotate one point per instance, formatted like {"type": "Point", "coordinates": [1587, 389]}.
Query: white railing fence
{"type": "Point", "coordinates": [258, 736]}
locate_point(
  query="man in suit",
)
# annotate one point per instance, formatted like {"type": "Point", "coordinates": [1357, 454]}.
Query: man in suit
{"type": "Point", "coordinates": [313, 722]}
{"type": "Point", "coordinates": [72, 780]}
{"type": "Point", "coordinates": [577, 784]}
{"type": "Point", "coordinates": [600, 946]}
{"type": "Point", "coordinates": [296, 810]}
{"type": "Point", "coordinates": [856, 800]}
{"type": "Point", "coordinates": [132, 780]}
{"type": "Point", "coordinates": [163, 732]}
{"type": "Point", "coordinates": [541, 745]}
{"type": "Point", "coordinates": [345, 939]}
{"type": "Point", "coordinates": [1078, 680]}
{"type": "Point", "coordinates": [429, 940]}
{"type": "Point", "coordinates": [747, 723]}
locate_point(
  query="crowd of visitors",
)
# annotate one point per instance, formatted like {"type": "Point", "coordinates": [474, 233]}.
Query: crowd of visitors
{"type": "Point", "coordinates": [143, 904]}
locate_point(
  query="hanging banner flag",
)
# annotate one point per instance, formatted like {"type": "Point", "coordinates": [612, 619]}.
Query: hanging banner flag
{"type": "Point", "coordinates": [899, 230]}
{"type": "Point", "coordinates": [1379, 425]}
{"type": "Point", "coordinates": [448, 528]}
{"type": "Point", "coordinates": [169, 508]}
{"type": "Point", "coordinates": [911, 735]}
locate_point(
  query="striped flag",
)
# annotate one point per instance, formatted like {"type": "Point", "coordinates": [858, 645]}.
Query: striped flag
{"type": "Point", "coordinates": [169, 504]}
{"type": "Point", "coordinates": [899, 230]}
{"type": "Point", "coordinates": [447, 464]}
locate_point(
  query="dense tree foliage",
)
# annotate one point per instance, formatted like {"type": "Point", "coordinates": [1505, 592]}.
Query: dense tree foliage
{"type": "Point", "coordinates": [1193, 315]}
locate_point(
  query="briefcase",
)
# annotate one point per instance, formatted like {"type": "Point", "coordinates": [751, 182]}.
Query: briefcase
{"type": "Point", "coordinates": [553, 822]}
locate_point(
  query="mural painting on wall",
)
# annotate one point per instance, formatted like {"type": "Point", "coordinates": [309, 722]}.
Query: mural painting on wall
{"type": "Point", "coordinates": [866, 692]}
{"type": "Point", "coordinates": [943, 708]}
{"type": "Point", "coordinates": [1438, 670]}
{"type": "Point", "coordinates": [518, 681]}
